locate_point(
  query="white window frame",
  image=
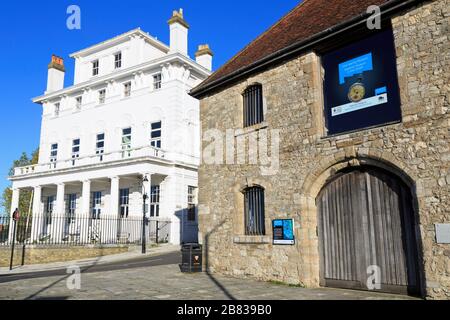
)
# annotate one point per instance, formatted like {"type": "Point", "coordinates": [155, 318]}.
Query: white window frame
{"type": "Point", "coordinates": [126, 146]}
{"type": "Point", "coordinates": [102, 96]}
{"type": "Point", "coordinates": [154, 140]}
{"type": "Point", "coordinates": [75, 154]}
{"type": "Point", "coordinates": [95, 67]}
{"type": "Point", "coordinates": [157, 81]}
{"type": "Point", "coordinates": [57, 110]}
{"type": "Point", "coordinates": [100, 150]}
{"type": "Point", "coordinates": [71, 207]}
{"type": "Point", "coordinates": [53, 153]}
{"type": "Point", "coordinates": [118, 60]}
{"type": "Point", "coordinates": [124, 203]}
{"type": "Point", "coordinates": [155, 200]}
{"type": "Point", "coordinates": [97, 205]}
{"type": "Point", "coordinates": [78, 102]}
{"type": "Point", "coordinates": [127, 89]}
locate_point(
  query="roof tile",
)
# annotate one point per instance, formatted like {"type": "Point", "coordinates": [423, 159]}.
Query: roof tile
{"type": "Point", "coordinates": [309, 18]}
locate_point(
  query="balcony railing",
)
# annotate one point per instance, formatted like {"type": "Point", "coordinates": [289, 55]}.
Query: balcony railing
{"type": "Point", "coordinates": [143, 152]}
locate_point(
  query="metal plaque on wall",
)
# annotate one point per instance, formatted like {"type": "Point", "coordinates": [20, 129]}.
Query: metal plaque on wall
{"type": "Point", "coordinates": [443, 233]}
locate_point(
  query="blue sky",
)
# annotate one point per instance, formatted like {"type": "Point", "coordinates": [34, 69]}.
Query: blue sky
{"type": "Point", "coordinates": [32, 31]}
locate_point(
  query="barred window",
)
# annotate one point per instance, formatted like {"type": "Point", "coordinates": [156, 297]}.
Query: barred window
{"type": "Point", "coordinates": [254, 211]}
{"type": "Point", "coordinates": [253, 105]}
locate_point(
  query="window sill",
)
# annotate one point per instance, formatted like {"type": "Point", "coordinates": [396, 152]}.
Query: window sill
{"type": "Point", "coordinates": [252, 240]}
{"type": "Point", "coordinates": [254, 128]}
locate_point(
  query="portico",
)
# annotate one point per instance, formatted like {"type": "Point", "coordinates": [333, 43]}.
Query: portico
{"type": "Point", "coordinates": [66, 205]}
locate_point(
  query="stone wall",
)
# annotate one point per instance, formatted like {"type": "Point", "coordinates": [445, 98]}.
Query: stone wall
{"type": "Point", "coordinates": [417, 150]}
{"type": "Point", "coordinates": [44, 255]}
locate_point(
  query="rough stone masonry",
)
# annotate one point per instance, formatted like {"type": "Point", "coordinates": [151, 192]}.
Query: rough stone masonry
{"type": "Point", "coordinates": [418, 148]}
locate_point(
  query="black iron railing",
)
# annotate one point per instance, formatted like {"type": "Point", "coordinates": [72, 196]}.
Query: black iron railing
{"type": "Point", "coordinates": [48, 230]}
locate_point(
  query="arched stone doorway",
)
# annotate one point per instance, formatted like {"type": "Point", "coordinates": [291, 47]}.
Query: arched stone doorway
{"type": "Point", "coordinates": [366, 228]}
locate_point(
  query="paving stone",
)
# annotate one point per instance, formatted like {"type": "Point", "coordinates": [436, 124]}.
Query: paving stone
{"type": "Point", "coordinates": [169, 284]}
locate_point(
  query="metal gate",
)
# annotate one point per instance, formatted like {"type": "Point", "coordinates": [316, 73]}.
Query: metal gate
{"type": "Point", "coordinates": [366, 228]}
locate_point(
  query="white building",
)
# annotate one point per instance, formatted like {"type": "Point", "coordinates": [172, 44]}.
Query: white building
{"type": "Point", "coordinates": [127, 116]}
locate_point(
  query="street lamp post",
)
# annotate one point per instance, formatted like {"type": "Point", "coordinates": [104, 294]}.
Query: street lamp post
{"type": "Point", "coordinates": [144, 218]}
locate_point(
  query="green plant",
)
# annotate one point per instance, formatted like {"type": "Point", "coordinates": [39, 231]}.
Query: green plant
{"type": "Point", "coordinates": [280, 283]}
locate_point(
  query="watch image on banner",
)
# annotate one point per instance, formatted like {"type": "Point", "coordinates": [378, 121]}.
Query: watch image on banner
{"type": "Point", "coordinates": [361, 84]}
{"type": "Point", "coordinates": [283, 232]}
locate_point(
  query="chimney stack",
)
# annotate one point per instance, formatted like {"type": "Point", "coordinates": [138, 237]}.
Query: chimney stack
{"type": "Point", "coordinates": [178, 33]}
{"type": "Point", "coordinates": [56, 72]}
{"type": "Point", "coordinates": [204, 56]}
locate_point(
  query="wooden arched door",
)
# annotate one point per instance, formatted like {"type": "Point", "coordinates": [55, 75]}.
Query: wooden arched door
{"type": "Point", "coordinates": [366, 225]}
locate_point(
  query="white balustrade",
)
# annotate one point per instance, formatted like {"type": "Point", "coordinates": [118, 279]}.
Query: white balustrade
{"type": "Point", "coordinates": [143, 152]}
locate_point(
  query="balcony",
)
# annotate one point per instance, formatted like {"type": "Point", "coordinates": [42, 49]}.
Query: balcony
{"type": "Point", "coordinates": [147, 152]}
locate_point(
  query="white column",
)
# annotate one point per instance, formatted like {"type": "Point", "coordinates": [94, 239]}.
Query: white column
{"type": "Point", "coordinates": [60, 193]}
{"type": "Point", "coordinates": [174, 209]}
{"type": "Point", "coordinates": [114, 206]}
{"type": "Point", "coordinates": [14, 206]}
{"type": "Point", "coordinates": [113, 214]}
{"type": "Point", "coordinates": [86, 198]}
{"type": "Point", "coordinates": [83, 223]}
{"type": "Point", "coordinates": [59, 221]}
{"type": "Point", "coordinates": [147, 189]}
{"type": "Point", "coordinates": [36, 225]}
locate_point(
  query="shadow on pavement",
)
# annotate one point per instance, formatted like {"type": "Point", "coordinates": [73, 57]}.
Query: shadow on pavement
{"type": "Point", "coordinates": [34, 296]}
{"type": "Point", "coordinates": [208, 272]}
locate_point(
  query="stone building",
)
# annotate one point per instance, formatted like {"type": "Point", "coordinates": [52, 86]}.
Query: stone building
{"type": "Point", "coordinates": [334, 125]}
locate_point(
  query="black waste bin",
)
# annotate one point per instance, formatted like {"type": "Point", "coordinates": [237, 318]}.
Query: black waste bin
{"type": "Point", "coordinates": [191, 260]}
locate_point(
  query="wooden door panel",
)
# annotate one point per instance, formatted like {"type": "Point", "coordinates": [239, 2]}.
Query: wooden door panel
{"type": "Point", "coordinates": [365, 219]}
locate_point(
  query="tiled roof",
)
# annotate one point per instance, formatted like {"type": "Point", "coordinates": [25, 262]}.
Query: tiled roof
{"type": "Point", "coordinates": [308, 19]}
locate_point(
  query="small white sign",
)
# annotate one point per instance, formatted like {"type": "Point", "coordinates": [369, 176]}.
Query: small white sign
{"type": "Point", "coordinates": [443, 233]}
{"type": "Point", "coordinates": [284, 242]}
{"type": "Point", "coordinates": [363, 104]}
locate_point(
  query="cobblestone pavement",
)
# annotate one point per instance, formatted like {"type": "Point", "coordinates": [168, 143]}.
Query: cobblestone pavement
{"type": "Point", "coordinates": [167, 283]}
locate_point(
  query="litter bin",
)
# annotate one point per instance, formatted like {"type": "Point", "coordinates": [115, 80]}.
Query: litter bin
{"type": "Point", "coordinates": [191, 260]}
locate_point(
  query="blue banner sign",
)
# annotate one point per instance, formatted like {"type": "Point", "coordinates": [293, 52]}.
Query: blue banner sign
{"type": "Point", "coordinates": [355, 66]}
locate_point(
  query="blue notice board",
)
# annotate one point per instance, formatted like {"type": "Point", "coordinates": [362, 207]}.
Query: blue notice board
{"type": "Point", "coordinates": [283, 232]}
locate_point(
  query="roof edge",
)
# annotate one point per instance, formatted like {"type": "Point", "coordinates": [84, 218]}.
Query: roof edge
{"type": "Point", "coordinates": [387, 10]}
{"type": "Point", "coordinates": [118, 38]}
{"type": "Point", "coordinates": [122, 73]}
